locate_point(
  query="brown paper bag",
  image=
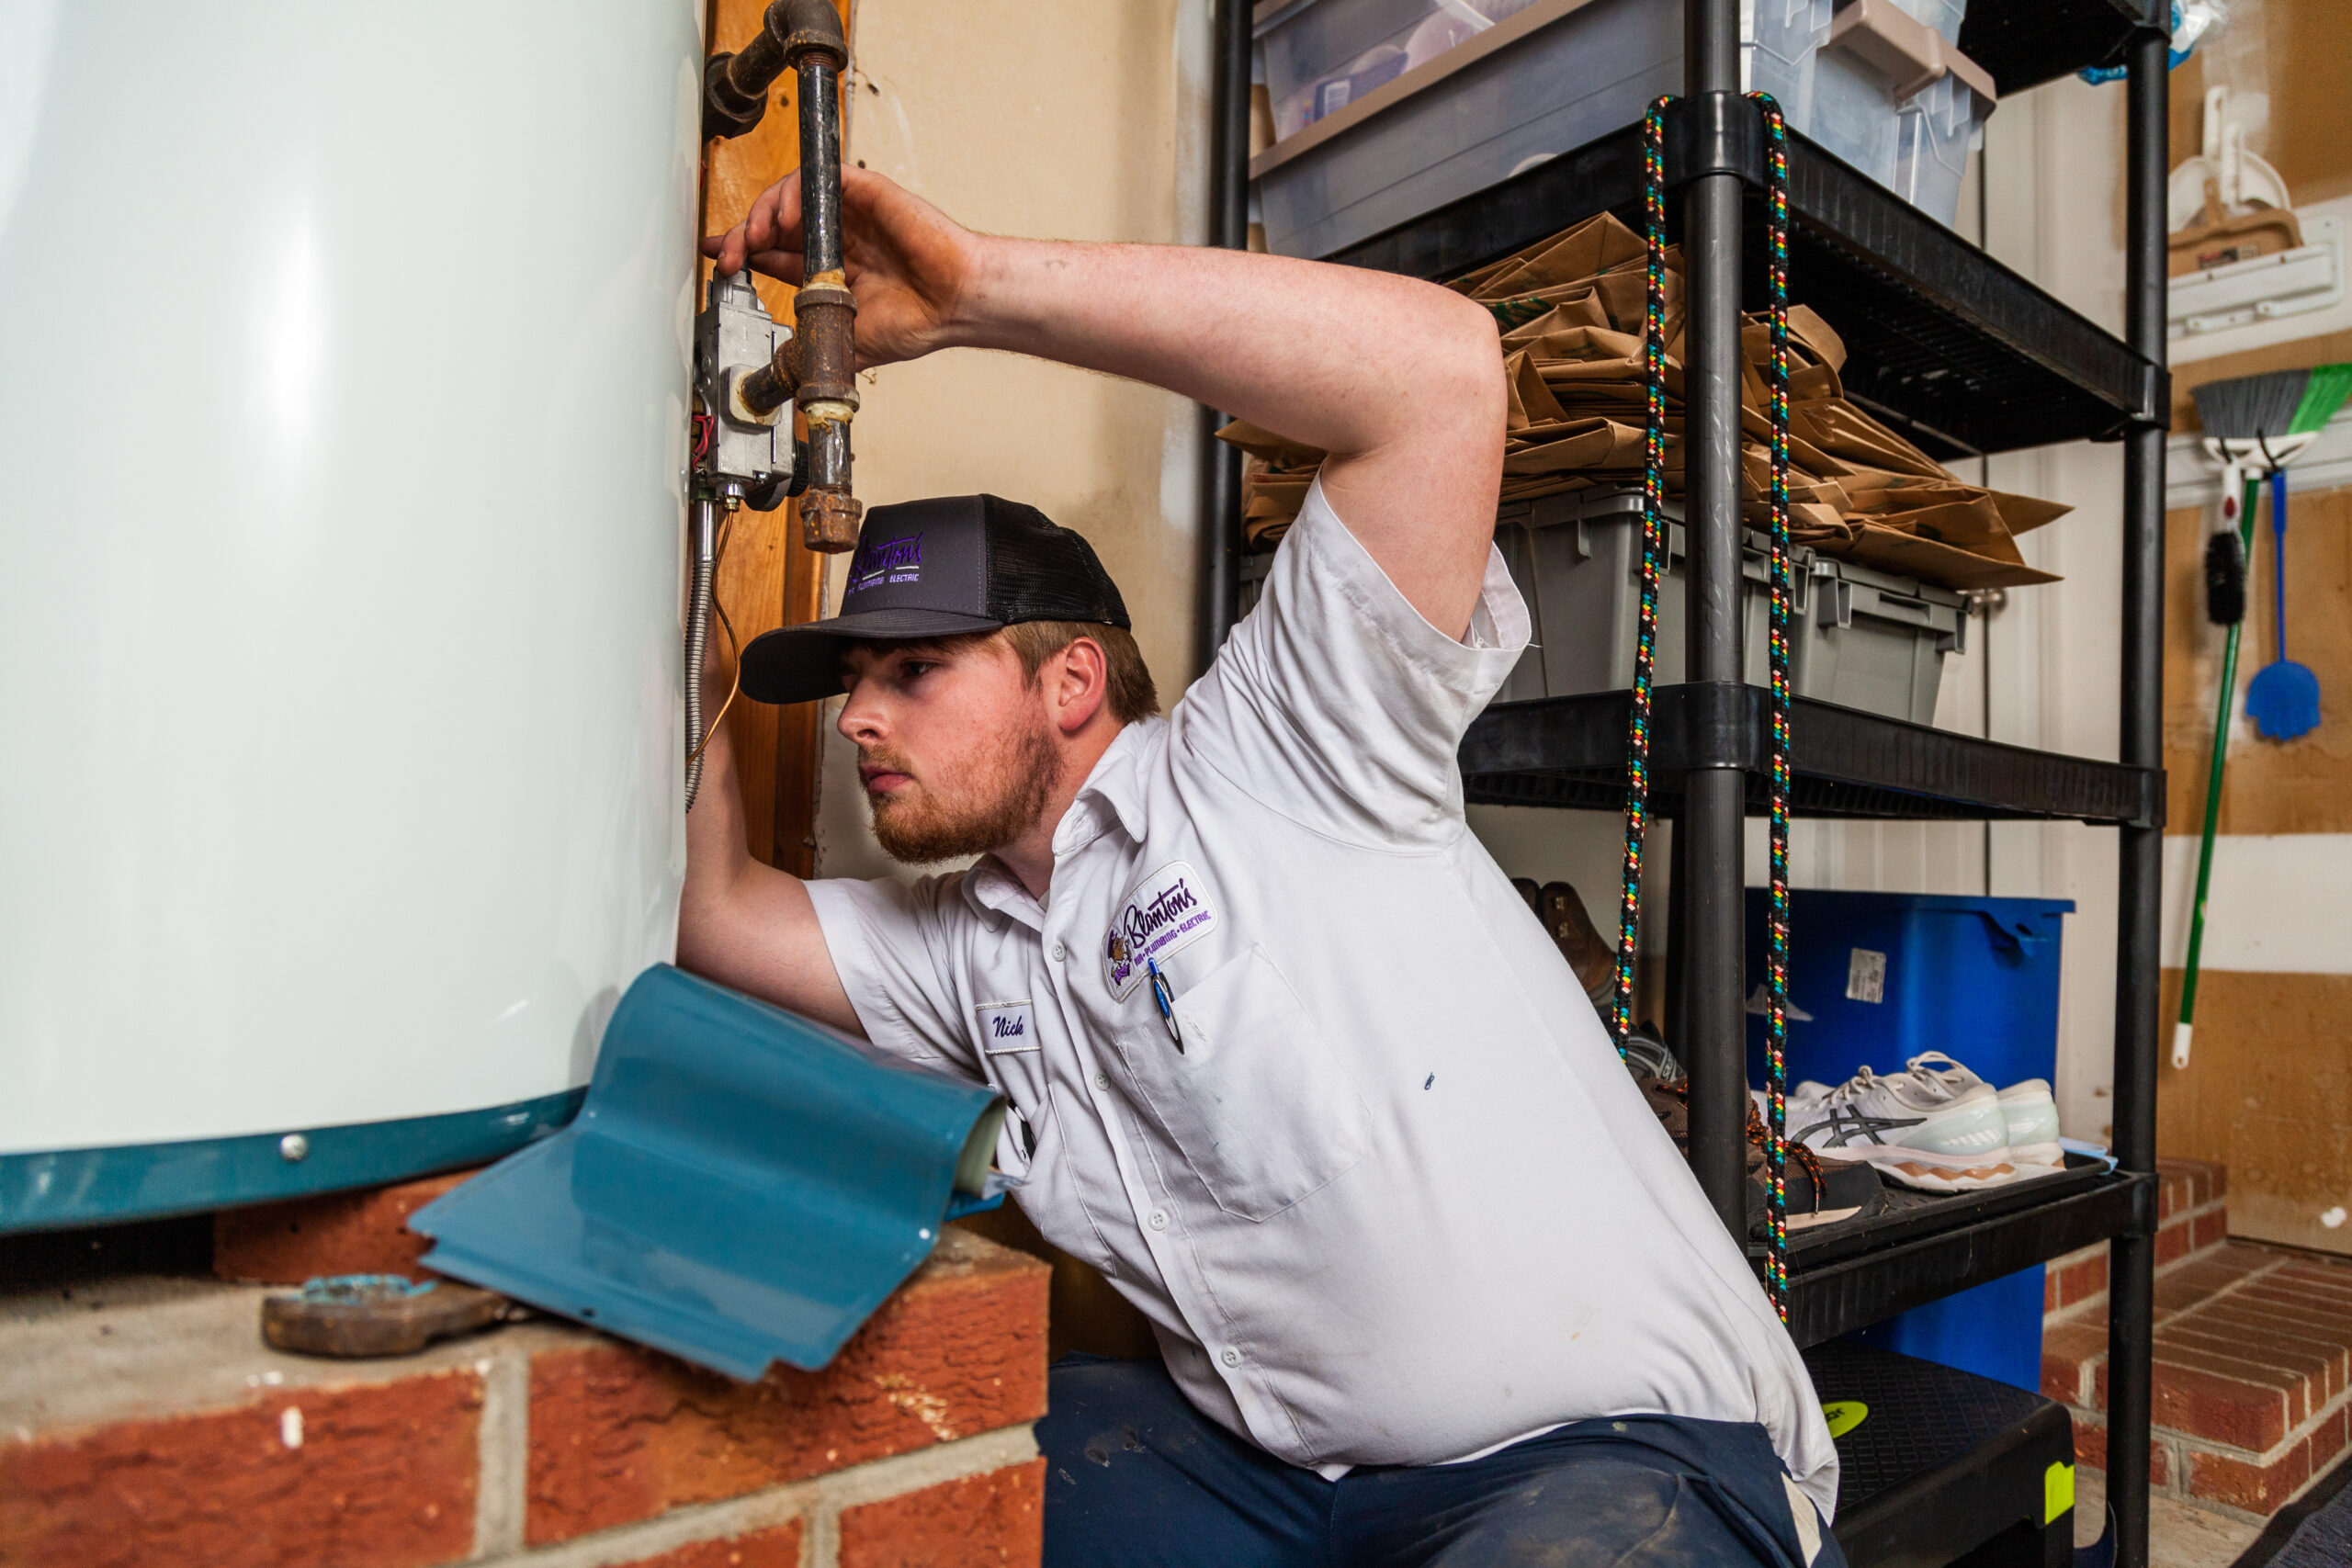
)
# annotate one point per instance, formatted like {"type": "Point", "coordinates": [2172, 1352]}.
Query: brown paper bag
{"type": "Point", "coordinates": [1260, 442]}
{"type": "Point", "coordinates": [1593, 246]}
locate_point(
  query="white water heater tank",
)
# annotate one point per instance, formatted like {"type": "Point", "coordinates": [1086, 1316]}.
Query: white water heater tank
{"type": "Point", "coordinates": [343, 367]}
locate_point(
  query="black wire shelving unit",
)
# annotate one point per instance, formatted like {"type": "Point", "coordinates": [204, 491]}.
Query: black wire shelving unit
{"type": "Point", "coordinates": [1966, 357]}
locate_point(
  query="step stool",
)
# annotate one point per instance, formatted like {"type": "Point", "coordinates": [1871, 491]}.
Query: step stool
{"type": "Point", "coordinates": [1946, 1467]}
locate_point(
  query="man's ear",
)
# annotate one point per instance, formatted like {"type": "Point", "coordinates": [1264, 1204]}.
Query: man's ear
{"type": "Point", "coordinates": [1077, 682]}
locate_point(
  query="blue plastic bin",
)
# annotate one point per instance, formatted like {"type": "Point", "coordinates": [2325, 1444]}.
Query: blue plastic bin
{"type": "Point", "coordinates": [1976, 978]}
{"type": "Point", "coordinates": [1994, 1330]}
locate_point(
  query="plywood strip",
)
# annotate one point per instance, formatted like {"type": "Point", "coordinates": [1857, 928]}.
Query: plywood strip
{"type": "Point", "coordinates": [2269, 1092]}
{"type": "Point", "coordinates": [767, 579]}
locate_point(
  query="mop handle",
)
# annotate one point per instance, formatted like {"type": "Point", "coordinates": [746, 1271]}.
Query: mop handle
{"type": "Point", "coordinates": [2279, 551]}
{"type": "Point", "coordinates": [2182, 1031]}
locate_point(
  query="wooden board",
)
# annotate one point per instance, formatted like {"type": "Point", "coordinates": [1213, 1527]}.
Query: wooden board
{"type": "Point", "coordinates": [767, 579]}
{"type": "Point", "coordinates": [2269, 1092]}
{"type": "Point", "coordinates": [2295, 787]}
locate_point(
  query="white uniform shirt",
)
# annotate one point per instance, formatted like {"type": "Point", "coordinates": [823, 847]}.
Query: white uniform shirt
{"type": "Point", "coordinates": [1396, 1201]}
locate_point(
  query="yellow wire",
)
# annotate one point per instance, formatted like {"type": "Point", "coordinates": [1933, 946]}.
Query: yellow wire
{"type": "Point", "coordinates": [719, 560]}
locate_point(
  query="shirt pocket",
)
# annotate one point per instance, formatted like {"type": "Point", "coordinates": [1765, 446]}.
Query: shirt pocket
{"type": "Point", "coordinates": [1013, 1058]}
{"type": "Point", "coordinates": [1258, 1102]}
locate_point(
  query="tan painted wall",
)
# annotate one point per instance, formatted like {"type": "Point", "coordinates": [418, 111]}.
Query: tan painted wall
{"type": "Point", "coordinates": [1063, 118]}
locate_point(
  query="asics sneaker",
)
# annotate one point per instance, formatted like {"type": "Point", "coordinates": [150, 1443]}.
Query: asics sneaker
{"type": "Point", "coordinates": [1918, 1128]}
{"type": "Point", "coordinates": [2028, 1108]}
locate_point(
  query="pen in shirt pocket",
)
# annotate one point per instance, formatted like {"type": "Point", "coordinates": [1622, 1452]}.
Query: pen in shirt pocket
{"type": "Point", "coordinates": [1163, 995]}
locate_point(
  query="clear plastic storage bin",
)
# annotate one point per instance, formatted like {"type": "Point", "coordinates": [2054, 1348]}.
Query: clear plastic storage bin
{"type": "Point", "coordinates": [1455, 107]}
{"type": "Point", "coordinates": [1319, 57]}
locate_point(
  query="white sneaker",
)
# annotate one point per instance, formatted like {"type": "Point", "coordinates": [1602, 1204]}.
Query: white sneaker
{"type": "Point", "coordinates": [2031, 1111]}
{"type": "Point", "coordinates": [1919, 1129]}
{"type": "Point", "coordinates": [2028, 1108]}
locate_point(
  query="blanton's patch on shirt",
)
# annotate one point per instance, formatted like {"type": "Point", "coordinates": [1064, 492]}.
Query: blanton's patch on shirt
{"type": "Point", "coordinates": [1166, 913]}
{"type": "Point", "coordinates": [1007, 1027]}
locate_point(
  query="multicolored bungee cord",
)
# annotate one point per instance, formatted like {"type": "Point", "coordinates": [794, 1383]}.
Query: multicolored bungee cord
{"type": "Point", "coordinates": [1776, 1035]}
{"type": "Point", "coordinates": [1776, 1260]}
{"type": "Point", "coordinates": [1637, 734]}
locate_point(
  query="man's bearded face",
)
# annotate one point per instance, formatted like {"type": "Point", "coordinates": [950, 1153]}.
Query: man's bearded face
{"type": "Point", "coordinates": [956, 752]}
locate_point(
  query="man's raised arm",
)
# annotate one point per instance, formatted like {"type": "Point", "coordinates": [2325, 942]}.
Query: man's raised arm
{"type": "Point", "coordinates": [748, 925]}
{"type": "Point", "coordinates": [1400, 381]}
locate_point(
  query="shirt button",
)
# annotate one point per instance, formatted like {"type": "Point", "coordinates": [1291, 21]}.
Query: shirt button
{"type": "Point", "coordinates": [1159, 1221]}
{"type": "Point", "coordinates": [1059, 951]}
{"type": "Point", "coordinates": [1101, 1080]}
{"type": "Point", "coordinates": [1231, 1357]}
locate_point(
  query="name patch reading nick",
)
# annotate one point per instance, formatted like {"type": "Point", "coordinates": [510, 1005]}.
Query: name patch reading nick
{"type": "Point", "coordinates": [1007, 1027]}
{"type": "Point", "coordinates": [1167, 912]}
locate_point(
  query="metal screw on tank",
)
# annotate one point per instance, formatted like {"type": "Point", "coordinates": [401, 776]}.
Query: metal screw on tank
{"type": "Point", "coordinates": [294, 1148]}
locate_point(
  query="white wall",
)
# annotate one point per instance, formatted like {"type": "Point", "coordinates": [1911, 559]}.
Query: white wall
{"type": "Point", "coordinates": [1053, 118]}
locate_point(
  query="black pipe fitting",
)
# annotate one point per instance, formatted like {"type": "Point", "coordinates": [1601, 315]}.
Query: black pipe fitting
{"type": "Point", "coordinates": [793, 32]}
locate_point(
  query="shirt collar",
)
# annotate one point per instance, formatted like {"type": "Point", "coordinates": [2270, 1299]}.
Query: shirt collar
{"type": "Point", "coordinates": [995, 891]}
{"type": "Point", "coordinates": [1113, 793]}
{"type": "Point", "coordinates": [1113, 790]}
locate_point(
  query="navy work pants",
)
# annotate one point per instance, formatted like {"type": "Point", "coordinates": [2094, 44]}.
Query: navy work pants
{"type": "Point", "coordinates": [1134, 1476]}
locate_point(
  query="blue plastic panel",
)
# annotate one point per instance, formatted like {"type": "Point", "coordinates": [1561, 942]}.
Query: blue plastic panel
{"type": "Point", "coordinates": [1976, 978]}
{"type": "Point", "coordinates": [744, 1186]}
{"type": "Point", "coordinates": [1994, 1330]}
{"type": "Point", "coordinates": [59, 1188]}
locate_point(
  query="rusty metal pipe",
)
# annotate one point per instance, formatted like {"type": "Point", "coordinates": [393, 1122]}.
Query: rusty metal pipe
{"type": "Point", "coordinates": [816, 366]}
{"type": "Point", "coordinates": [824, 312]}
{"type": "Point", "coordinates": [735, 86]}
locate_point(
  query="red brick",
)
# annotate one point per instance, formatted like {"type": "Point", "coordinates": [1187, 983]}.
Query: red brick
{"type": "Point", "coordinates": [2090, 1451]}
{"type": "Point", "coordinates": [384, 1478]}
{"type": "Point", "coordinates": [2213, 1228]}
{"type": "Point", "coordinates": [2257, 1321]}
{"type": "Point", "coordinates": [2324, 1334]}
{"type": "Point", "coordinates": [2255, 1487]}
{"type": "Point", "coordinates": [2331, 1438]}
{"type": "Point", "coordinates": [339, 1233]}
{"type": "Point", "coordinates": [2172, 1244]}
{"type": "Point", "coordinates": [619, 1433]}
{"type": "Point", "coordinates": [2299, 1372]}
{"type": "Point", "coordinates": [775, 1548]}
{"type": "Point", "coordinates": [2204, 1179]}
{"type": "Point", "coordinates": [2081, 1280]}
{"type": "Point", "coordinates": [2049, 1292]}
{"type": "Point", "coordinates": [2066, 1350]}
{"type": "Point", "coordinates": [2220, 1405]}
{"type": "Point", "coordinates": [2324, 1284]}
{"type": "Point", "coordinates": [2315, 1296]}
{"type": "Point", "coordinates": [981, 1521]}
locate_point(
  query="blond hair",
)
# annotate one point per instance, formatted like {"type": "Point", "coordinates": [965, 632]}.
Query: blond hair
{"type": "Point", "coordinates": [1131, 693]}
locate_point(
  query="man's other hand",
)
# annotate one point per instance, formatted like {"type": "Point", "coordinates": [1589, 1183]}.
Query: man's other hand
{"type": "Point", "coordinates": [909, 264]}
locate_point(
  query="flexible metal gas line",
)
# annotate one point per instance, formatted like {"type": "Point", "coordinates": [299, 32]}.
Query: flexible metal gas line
{"type": "Point", "coordinates": [705, 560]}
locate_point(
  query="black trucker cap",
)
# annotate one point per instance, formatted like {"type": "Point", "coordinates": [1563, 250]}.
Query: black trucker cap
{"type": "Point", "coordinates": [932, 568]}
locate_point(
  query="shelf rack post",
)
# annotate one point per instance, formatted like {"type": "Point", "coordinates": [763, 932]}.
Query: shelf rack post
{"type": "Point", "coordinates": [1229, 230]}
{"type": "Point", "coordinates": [1708, 827]}
{"type": "Point", "coordinates": [2131, 1256]}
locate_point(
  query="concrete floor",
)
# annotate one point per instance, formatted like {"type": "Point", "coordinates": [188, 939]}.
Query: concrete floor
{"type": "Point", "coordinates": [2180, 1535]}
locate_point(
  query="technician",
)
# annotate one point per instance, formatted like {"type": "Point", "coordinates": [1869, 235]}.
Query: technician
{"type": "Point", "coordinates": [1288, 1060]}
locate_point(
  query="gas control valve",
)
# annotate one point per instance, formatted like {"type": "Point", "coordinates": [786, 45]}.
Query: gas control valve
{"type": "Point", "coordinates": [742, 451]}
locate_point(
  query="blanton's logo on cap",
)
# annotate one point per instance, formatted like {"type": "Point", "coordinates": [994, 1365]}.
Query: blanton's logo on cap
{"type": "Point", "coordinates": [878, 561]}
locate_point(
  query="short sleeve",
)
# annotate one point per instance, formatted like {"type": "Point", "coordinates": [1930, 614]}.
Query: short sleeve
{"type": "Point", "coordinates": [890, 945]}
{"type": "Point", "coordinates": [1335, 703]}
